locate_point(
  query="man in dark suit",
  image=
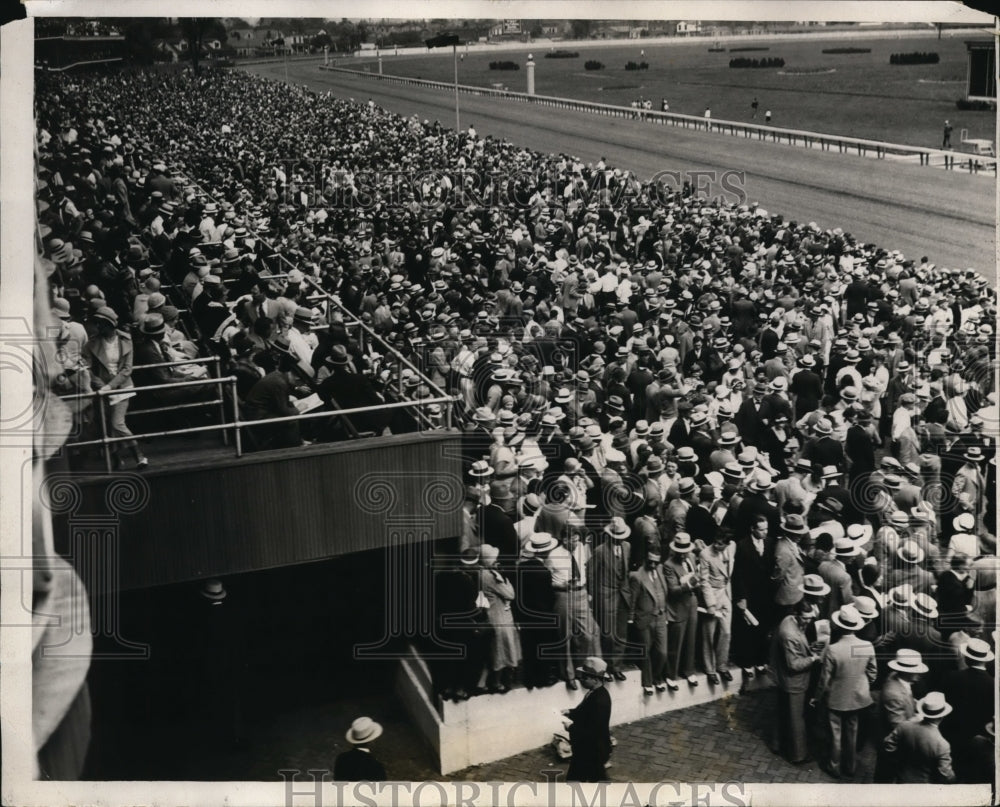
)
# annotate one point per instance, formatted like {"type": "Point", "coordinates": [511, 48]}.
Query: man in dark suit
{"type": "Point", "coordinates": [897, 704]}
{"type": "Point", "coordinates": [358, 764]}
{"type": "Point", "coordinates": [609, 588]}
{"type": "Point", "coordinates": [917, 752]}
{"type": "Point", "coordinates": [752, 596]}
{"type": "Point", "coordinates": [590, 729]}
{"type": "Point", "coordinates": [648, 612]}
{"type": "Point", "coordinates": [972, 693]}
{"type": "Point", "coordinates": [535, 606]}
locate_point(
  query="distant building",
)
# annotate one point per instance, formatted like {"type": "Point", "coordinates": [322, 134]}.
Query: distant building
{"type": "Point", "coordinates": [688, 28]}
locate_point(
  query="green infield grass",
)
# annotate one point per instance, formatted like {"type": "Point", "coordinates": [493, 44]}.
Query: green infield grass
{"type": "Point", "coordinates": [858, 94]}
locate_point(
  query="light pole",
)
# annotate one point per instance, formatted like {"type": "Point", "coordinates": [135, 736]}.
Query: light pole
{"type": "Point", "coordinates": [443, 40]}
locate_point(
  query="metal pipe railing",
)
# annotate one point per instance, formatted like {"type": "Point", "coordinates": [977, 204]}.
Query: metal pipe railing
{"type": "Point", "coordinates": [238, 423]}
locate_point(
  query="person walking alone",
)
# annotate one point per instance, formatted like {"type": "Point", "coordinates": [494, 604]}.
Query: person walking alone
{"type": "Point", "coordinates": [590, 724]}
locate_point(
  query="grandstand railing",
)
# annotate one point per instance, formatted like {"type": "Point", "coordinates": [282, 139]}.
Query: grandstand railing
{"type": "Point", "coordinates": [235, 423]}
{"type": "Point", "coordinates": [825, 142]}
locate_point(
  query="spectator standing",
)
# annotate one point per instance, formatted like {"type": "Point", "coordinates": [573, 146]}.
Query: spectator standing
{"type": "Point", "coordinates": [792, 660]}
{"type": "Point", "coordinates": [918, 754]}
{"type": "Point", "coordinates": [848, 670]}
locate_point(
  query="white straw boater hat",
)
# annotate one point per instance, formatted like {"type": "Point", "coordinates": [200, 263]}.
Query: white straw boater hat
{"type": "Point", "coordinates": [363, 730]}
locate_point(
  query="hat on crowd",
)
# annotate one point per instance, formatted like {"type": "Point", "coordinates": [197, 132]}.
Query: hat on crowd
{"type": "Point", "coordinates": [910, 552]}
{"type": "Point", "coordinates": [543, 542]}
{"type": "Point", "coordinates": [107, 314]}
{"type": "Point", "coordinates": [866, 607]}
{"type": "Point", "coordinates": [761, 483]}
{"type": "Point", "coordinates": [973, 454]}
{"type": "Point", "coordinates": [845, 548]}
{"type": "Point", "coordinates": [363, 730]}
{"type": "Point", "coordinates": [794, 525]}
{"type": "Point", "coordinates": [593, 667]}
{"type": "Point", "coordinates": [682, 543]}
{"type": "Point", "coordinates": [686, 454]}
{"type": "Point", "coordinates": [934, 706]}
{"type": "Point", "coordinates": [686, 486]}
{"type": "Point", "coordinates": [847, 618]}
{"type": "Point", "coordinates": [60, 307]}
{"type": "Point", "coordinates": [617, 529]}
{"type": "Point", "coordinates": [908, 661]}
{"type": "Point", "coordinates": [823, 426]}
{"type": "Point", "coordinates": [469, 557]}
{"type": "Point", "coordinates": [965, 522]}
{"type": "Point", "coordinates": [152, 325]}
{"type": "Point", "coordinates": [901, 596]}
{"type": "Point", "coordinates": [481, 469]}
{"type": "Point", "coordinates": [729, 437]}
{"type": "Point", "coordinates": [698, 418]}
{"type": "Point", "coordinates": [899, 519]}
{"type": "Point", "coordinates": [925, 605]}
{"type": "Point", "coordinates": [860, 534]}
{"type": "Point", "coordinates": [977, 651]}
{"type": "Point", "coordinates": [814, 586]}
{"type": "Point", "coordinates": [831, 472]}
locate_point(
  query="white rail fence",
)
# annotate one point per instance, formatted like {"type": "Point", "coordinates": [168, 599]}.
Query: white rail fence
{"type": "Point", "coordinates": [877, 149]}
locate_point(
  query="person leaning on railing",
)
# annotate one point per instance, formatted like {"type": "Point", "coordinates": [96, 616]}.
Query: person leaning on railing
{"type": "Point", "coordinates": [109, 354]}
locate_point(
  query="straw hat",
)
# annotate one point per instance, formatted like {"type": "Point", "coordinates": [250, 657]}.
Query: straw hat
{"type": "Point", "coordinates": [847, 618]}
{"type": "Point", "coordinates": [908, 661]}
{"type": "Point", "coordinates": [933, 705]}
{"type": "Point", "coordinates": [977, 651]}
{"type": "Point", "coordinates": [363, 730]}
{"type": "Point", "coordinates": [814, 586]}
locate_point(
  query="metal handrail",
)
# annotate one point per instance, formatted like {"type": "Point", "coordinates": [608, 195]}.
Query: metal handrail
{"type": "Point", "coordinates": [237, 423]}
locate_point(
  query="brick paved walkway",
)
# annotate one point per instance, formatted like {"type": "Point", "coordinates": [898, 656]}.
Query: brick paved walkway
{"type": "Point", "coordinates": [719, 741]}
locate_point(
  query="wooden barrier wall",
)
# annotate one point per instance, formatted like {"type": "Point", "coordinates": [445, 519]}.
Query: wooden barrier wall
{"type": "Point", "coordinates": [259, 511]}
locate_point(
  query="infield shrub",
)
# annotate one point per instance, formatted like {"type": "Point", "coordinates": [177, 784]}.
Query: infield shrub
{"type": "Point", "coordinates": [593, 65]}
{"type": "Point", "coordinates": [917, 57]}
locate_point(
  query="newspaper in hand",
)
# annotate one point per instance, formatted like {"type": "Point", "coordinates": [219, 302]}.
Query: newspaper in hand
{"type": "Point", "coordinates": [308, 403]}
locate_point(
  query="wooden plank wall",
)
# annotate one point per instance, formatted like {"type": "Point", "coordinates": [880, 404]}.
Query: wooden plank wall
{"type": "Point", "coordinates": [264, 511]}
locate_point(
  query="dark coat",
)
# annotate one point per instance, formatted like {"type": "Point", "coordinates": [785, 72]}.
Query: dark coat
{"type": "Point", "coordinates": [590, 737]}
{"type": "Point", "coordinates": [358, 766]}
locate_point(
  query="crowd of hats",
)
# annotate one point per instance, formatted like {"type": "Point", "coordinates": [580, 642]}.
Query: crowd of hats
{"type": "Point", "coordinates": [614, 272]}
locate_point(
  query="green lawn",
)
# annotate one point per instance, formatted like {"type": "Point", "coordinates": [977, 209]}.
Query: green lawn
{"type": "Point", "coordinates": [865, 96]}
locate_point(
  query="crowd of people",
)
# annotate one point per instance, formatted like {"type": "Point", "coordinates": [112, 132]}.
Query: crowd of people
{"type": "Point", "coordinates": [698, 437]}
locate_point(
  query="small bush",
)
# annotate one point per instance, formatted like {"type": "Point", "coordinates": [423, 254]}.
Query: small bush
{"type": "Point", "coordinates": [917, 57]}
{"type": "Point", "coordinates": [562, 54]}
{"type": "Point", "coordinates": [776, 61]}
{"type": "Point", "coordinates": [637, 66]}
{"type": "Point", "coordinates": [593, 65]}
{"type": "Point", "coordinates": [847, 50]}
{"type": "Point", "coordinates": [974, 106]}
{"type": "Point", "coordinates": [504, 66]}
{"type": "Point", "coordinates": [741, 50]}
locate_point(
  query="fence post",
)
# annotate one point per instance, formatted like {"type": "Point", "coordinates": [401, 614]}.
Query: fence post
{"type": "Point", "coordinates": [104, 432]}
{"type": "Point", "coordinates": [238, 438]}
